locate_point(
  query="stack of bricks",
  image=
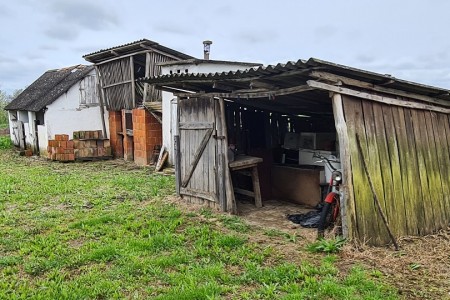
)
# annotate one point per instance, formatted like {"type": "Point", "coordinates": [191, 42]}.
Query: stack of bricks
{"type": "Point", "coordinates": [86, 145]}
{"type": "Point", "coordinates": [61, 148]}
{"type": "Point", "coordinates": [90, 145]}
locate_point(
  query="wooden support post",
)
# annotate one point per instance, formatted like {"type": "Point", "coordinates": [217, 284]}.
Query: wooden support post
{"type": "Point", "coordinates": [256, 187]}
{"type": "Point", "coordinates": [147, 74]}
{"type": "Point", "coordinates": [229, 193]}
{"type": "Point", "coordinates": [100, 96]}
{"type": "Point", "coordinates": [177, 161]}
{"type": "Point", "coordinates": [133, 83]}
{"type": "Point", "coordinates": [348, 213]}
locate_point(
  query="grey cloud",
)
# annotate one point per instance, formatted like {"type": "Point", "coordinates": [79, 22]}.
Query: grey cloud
{"type": "Point", "coordinates": [365, 58]}
{"type": "Point", "coordinates": [325, 31]}
{"type": "Point", "coordinates": [48, 48]}
{"type": "Point", "coordinates": [224, 11]}
{"type": "Point", "coordinates": [172, 28]}
{"type": "Point", "coordinates": [64, 33]}
{"type": "Point", "coordinates": [257, 37]}
{"type": "Point", "coordinates": [71, 16]}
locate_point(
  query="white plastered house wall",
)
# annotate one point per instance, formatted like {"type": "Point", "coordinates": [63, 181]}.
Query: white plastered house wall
{"type": "Point", "coordinates": [169, 101]}
{"type": "Point", "coordinates": [76, 109]}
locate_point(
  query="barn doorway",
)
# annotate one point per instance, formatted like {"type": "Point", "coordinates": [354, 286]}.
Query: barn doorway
{"type": "Point", "coordinates": [285, 133]}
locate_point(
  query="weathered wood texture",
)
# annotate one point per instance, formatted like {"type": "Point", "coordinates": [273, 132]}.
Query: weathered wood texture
{"type": "Point", "coordinates": [117, 80]}
{"type": "Point", "coordinates": [198, 150]}
{"type": "Point", "coordinates": [407, 152]}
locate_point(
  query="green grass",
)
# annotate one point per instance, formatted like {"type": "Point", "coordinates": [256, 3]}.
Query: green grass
{"type": "Point", "coordinates": [5, 142]}
{"type": "Point", "coordinates": [103, 230]}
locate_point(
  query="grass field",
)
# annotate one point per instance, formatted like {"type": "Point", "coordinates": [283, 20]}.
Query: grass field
{"type": "Point", "coordinates": [110, 230]}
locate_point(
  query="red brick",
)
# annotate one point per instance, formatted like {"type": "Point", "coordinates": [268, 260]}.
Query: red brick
{"type": "Point", "coordinates": [63, 144]}
{"type": "Point", "coordinates": [65, 137]}
{"type": "Point", "coordinates": [71, 157]}
{"type": "Point", "coordinates": [70, 144]}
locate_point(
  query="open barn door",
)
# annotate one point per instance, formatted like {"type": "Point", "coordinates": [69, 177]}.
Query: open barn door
{"type": "Point", "coordinates": [201, 151]}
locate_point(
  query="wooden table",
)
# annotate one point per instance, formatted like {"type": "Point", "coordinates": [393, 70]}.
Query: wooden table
{"type": "Point", "coordinates": [248, 165]}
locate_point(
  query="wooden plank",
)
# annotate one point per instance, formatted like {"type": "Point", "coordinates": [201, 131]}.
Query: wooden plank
{"type": "Point", "coordinates": [133, 84]}
{"type": "Point", "coordinates": [256, 187]}
{"type": "Point", "coordinates": [391, 210]}
{"type": "Point", "coordinates": [426, 168]}
{"type": "Point", "coordinates": [445, 128]}
{"type": "Point", "coordinates": [433, 170]}
{"type": "Point", "coordinates": [199, 194]}
{"type": "Point", "coordinates": [377, 98]}
{"type": "Point", "coordinates": [398, 197]}
{"type": "Point", "coordinates": [348, 213]}
{"type": "Point", "coordinates": [177, 160]}
{"type": "Point", "coordinates": [374, 165]}
{"type": "Point", "coordinates": [244, 192]}
{"type": "Point", "coordinates": [408, 166]}
{"type": "Point", "coordinates": [244, 161]}
{"type": "Point", "coordinates": [221, 155]}
{"type": "Point", "coordinates": [251, 95]}
{"type": "Point", "coordinates": [443, 162]}
{"type": "Point", "coordinates": [423, 214]}
{"type": "Point", "coordinates": [229, 195]}
{"type": "Point", "coordinates": [147, 74]}
{"type": "Point", "coordinates": [196, 125]}
{"type": "Point", "coordinates": [366, 85]}
{"type": "Point", "coordinates": [364, 208]}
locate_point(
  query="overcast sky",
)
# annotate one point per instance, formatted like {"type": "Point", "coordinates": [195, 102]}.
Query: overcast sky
{"type": "Point", "coordinates": [407, 39]}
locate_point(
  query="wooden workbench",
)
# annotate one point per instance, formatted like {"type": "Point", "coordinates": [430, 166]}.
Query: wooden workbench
{"type": "Point", "coordinates": [250, 163]}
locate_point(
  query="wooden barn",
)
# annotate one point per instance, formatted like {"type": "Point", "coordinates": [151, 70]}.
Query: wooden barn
{"type": "Point", "coordinates": [278, 116]}
{"type": "Point", "coordinates": [136, 132]}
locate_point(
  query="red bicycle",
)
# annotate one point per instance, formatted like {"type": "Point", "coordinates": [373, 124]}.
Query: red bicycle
{"type": "Point", "coordinates": [330, 214]}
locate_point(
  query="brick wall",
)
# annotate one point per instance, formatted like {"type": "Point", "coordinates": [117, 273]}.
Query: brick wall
{"type": "Point", "coordinates": [147, 132]}
{"type": "Point", "coordinates": [115, 126]}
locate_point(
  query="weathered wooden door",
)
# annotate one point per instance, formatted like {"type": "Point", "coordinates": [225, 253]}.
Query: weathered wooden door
{"type": "Point", "coordinates": [201, 151]}
{"type": "Point", "coordinates": [18, 134]}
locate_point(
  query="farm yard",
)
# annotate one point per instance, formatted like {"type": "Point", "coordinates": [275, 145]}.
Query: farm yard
{"type": "Point", "coordinates": [110, 229]}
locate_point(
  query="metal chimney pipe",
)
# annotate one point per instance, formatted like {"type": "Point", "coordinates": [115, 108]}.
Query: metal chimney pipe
{"type": "Point", "coordinates": [206, 49]}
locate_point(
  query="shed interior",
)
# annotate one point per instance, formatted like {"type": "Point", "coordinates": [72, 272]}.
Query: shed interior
{"type": "Point", "coordinates": [285, 131]}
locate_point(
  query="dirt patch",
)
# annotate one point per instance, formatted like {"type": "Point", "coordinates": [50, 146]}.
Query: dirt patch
{"type": "Point", "coordinates": [4, 131]}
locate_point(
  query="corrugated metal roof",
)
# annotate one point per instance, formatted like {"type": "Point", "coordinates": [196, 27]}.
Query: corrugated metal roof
{"type": "Point", "coordinates": [105, 54]}
{"type": "Point", "coordinates": [301, 66]}
{"type": "Point", "coordinates": [47, 88]}
{"type": "Point", "coordinates": [197, 61]}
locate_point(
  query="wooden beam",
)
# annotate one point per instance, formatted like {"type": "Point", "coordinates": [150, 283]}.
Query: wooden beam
{"type": "Point", "coordinates": [353, 82]}
{"type": "Point", "coordinates": [249, 95]}
{"type": "Point", "coordinates": [221, 86]}
{"type": "Point", "coordinates": [377, 98]}
{"type": "Point", "coordinates": [147, 74]}
{"type": "Point", "coordinates": [159, 51]}
{"type": "Point", "coordinates": [199, 194]}
{"type": "Point", "coordinates": [260, 84]}
{"type": "Point", "coordinates": [133, 84]}
{"type": "Point", "coordinates": [114, 53]}
{"type": "Point", "coordinates": [117, 83]}
{"type": "Point", "coordinates": [120, 57]}
{"type": "Point", "coordinates": [348, 213]}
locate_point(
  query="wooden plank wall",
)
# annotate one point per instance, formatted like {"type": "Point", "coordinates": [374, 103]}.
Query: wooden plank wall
{"type": "Point", "coordinates": [407, 152]}
{"type": "Point", "coordinates": [115, 79]}
{"type": "Point", "coordinates": [196, 113]}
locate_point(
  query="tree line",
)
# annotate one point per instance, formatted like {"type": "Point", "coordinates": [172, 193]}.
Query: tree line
{"type": "Point", "coordinates": [5, 98]}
